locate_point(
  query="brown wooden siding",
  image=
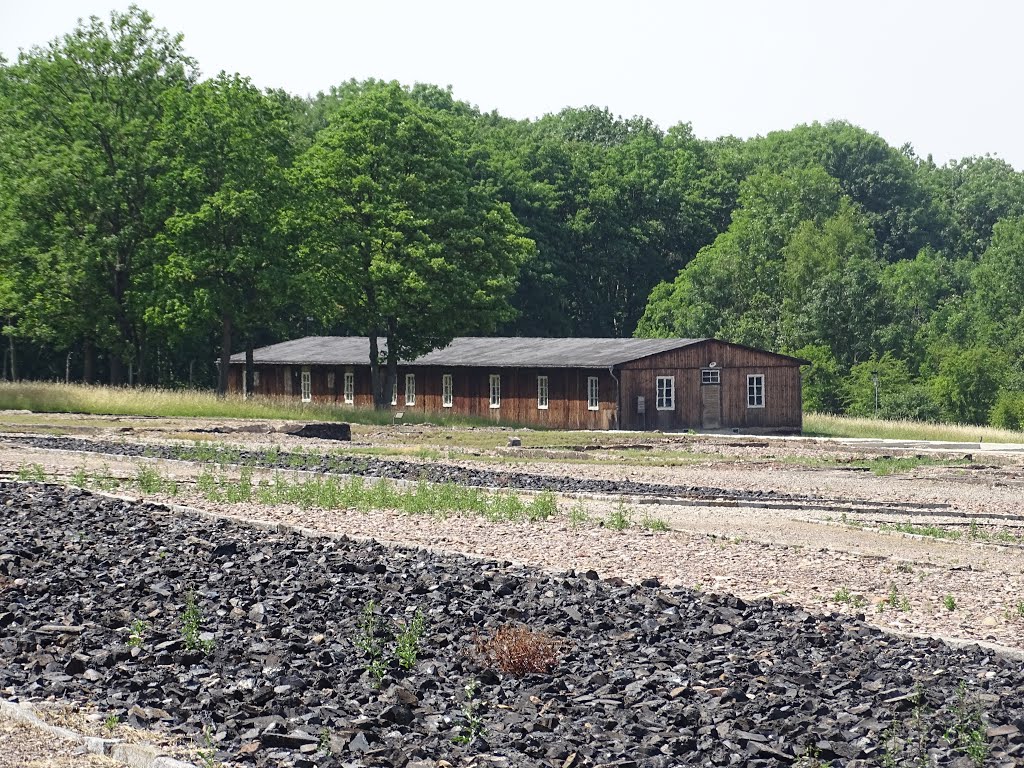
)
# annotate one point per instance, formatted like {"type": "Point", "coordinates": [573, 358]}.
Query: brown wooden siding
{"type": "Point", "coordinates": [567, 390]}
{"type": "Point", "coordinates": [782, 409]}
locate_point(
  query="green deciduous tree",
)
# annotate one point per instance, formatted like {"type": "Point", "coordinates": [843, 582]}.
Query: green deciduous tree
{"type": "Point", "coordinates": [968, 383]}
{"type": "Point", "coordinates": [85, 111]}
{"type": "Point", "coordinates": [225, 147]}
{"type": "Point", "coordinates": [397, 241]}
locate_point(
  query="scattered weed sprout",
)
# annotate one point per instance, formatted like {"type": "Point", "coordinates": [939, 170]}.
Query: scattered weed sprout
{"type": "Point", "coordinates": [578, 516]}
{"type": "Point", "coordinates": [473, 726]}
{"type": "Point", "coordinates": [32, 473]}
{"type": "Point", "coordinates": [655, 524]}
{"type": "Point", "coordinates": [423, 498]}
{"type": "Point", "coordinates": [967, 731]}
{"type": "Point", "coordinates": [894, 601]}
{"type": "Point", "coordinates": [375, 638]}
{"type": "Point", "coordinates": [137, 633]}
{"type": "Point", "coordinates": [408, 641]}
{"type": "Point", "coordinates": [368, 641]}
{"type": "Point", "coordinates": [191, 626]}
{"type": "Point", "coordinates": [620, 518]}
{"type": "Point", "coordinates": [950, 602]}
{"type": "Point", "coordinates": [110, 723]}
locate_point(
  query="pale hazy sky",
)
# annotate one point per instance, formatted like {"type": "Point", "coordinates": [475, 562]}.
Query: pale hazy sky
{"type": "Point", "coordinates": [945, 76]}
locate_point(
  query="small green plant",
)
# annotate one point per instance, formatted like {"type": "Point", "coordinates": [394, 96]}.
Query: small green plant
{"type": "Point", "coordinates": [148, 479]}
{"type": "Point", "coordinates": [967, 732]}
{"type": "Point", "coordinates": [904, 568]}
{"type": "Point", "coordinates": [542, 507]}
{"type": "Point", "coordinates": [80, 478]}
{"type": "Point", "coordinates": [578, 515]}
{"type": "Point", "coordinates": [473, 726]}
{"type": "Point", "coordinates": [106, 481]}
{"type": "Point", "coordinates": [207, 754]}
{"type": "Point", "coordinates": [368, 641]}
{"type": "Point", "coordinates": [137, 634]}
{"type": "Point", "coordinates": [844, 595]}
{"type": "Point", "coordinates": [620, 518]}
{"type": "Point", "coordinates": [656, 524]}
{"type": "Point", "coordinates": [32, 473]}
{"type": "Point", "coordinates": [323, 745]}
{"type": "Point", "coordinates": [950, 602]}
{"type": "Point", "coordinates": [110, 723]}
{"type": "Point", "coordinates": [894, 601]}
{"type": "Point", "coordinates": [408, 641]}
{"type": "Point", "coordinates": [191, 626]}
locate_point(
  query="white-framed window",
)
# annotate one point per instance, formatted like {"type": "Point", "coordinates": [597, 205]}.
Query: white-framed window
{"type": "Point", "coordinates": [350, 387]}
{"type": "Point", "coordinates": [255, 378]}
{"type": "Point", "coordinates": [542, 393]}
{"type": "Point", "coordinates": [495, 390]}
{"type": "Point", "coordinates": [447, 397]}
{"type": "Point", "coordinates": [711, 376]}
{"type": "Point", "coordinates": [330, 380]}
{"type": "Point", "coordinates": [665, 395]}
{"type": "Point", "coordinates": [307, 386]}
{"type": "Point", "coordinates": [593, 401]}
{"type": "Point", "coordinates": [394, 392]}
{"type": "Point", "coordinates": [755, 390]}
{"type": "Point", "coordinates": [410, 389]}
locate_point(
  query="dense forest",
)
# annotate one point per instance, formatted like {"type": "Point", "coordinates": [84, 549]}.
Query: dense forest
{"type": "Point", "coordinates": [151, 220]}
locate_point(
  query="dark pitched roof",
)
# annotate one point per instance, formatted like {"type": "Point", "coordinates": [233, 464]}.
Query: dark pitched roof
{"type": "Point", "coordinates": [496, 352]}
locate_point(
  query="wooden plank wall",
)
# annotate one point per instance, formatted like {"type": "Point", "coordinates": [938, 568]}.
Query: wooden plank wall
{"type": "Point", "coordinates": [567, 392]}
{"type": "Point", "coordinates": [782, 409]}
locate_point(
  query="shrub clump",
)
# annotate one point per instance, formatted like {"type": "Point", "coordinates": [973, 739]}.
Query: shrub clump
{"type": "Point", "coordinates": [517, 650]}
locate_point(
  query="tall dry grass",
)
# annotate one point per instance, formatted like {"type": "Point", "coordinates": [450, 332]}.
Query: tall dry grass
{"type": "Point", "coordinates": [44, 397]}
{"type": "Point", "coordinates": [830, 425]}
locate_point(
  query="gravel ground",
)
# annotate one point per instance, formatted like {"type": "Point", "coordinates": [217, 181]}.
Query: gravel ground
{"type": "Point", "coordinates": [25, 746]}
{"type": "Point", "coordinates": [279, 671]}
{"type": "Point", "coordinates": [793, 554]}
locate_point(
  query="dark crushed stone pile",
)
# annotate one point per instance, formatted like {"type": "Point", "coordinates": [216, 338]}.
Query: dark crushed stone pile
{"type": "Point", "coordinates": [368, 466]}
{"type": "Point", "coordinates": [646, 677]}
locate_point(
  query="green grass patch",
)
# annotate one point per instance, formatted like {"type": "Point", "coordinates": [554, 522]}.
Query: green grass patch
{"type": "Point", "coordinates": [356, 493]}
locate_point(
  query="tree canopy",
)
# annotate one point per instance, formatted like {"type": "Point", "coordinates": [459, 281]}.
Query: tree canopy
{"type": "Point", "coordinates": [149, 217]}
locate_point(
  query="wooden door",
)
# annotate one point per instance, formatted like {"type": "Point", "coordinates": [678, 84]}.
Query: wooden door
{"type": "Point", "coordinates": [711, 406]}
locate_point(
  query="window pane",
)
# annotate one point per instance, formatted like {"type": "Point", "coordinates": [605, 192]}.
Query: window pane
{"type": "Point", "coordinates": [446, 390]}
{"type": "Point", "coordinates": [410, 389]}
{"type": "Point", "coordinates": [495, 387]}
{"type": "Point", "coordinates": [542, 392]}
{"type": "Point", "coordinates": [665, 393]}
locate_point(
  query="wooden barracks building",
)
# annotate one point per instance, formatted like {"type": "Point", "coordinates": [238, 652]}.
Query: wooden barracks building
{"type": "Point", "coordinates": [635, 384]}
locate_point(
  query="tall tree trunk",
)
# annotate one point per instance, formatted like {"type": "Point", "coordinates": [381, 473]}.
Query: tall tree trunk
{"type": "Point", "coordinates": [249, 367]}
{"type": "Point", "coordinates": [10, 343]}
{"type": "Point", "coordinates": [88, 361]}
{"type": "Point", "coordinates": [116, 370]}
{"type": "Point", "coordinates": [392, 377]}
{"type": "Point", "coordinates": [140, 363]}
{"type": "Point", "coordinates": [375, 383]}
{"type": "Point", "coordinates": [225, 357]}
